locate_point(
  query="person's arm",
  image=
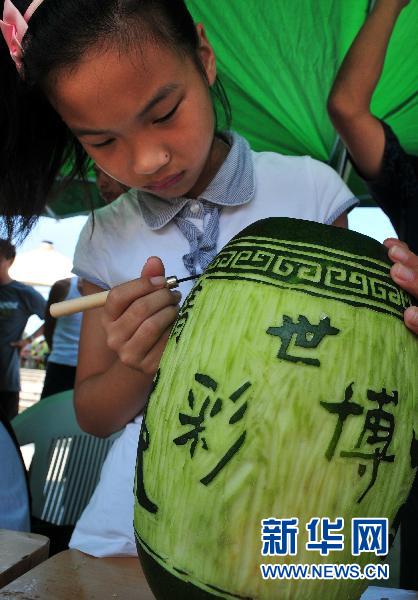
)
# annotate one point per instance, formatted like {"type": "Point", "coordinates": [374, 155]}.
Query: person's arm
{"type": "Point", "coordinates": [405, 273]}
{"type": "Point", "coordinates": [350, 97]}
{"type": "Point", "coordinates": [120, 349]}
{"type": "Point", "coordinates": [341, 221]}
{"type": "Point", "coordinates": [21, 344]}
{"type": "Point", "coordinates": [57, 293]}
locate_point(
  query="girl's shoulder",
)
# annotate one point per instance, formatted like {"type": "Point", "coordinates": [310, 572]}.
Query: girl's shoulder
{"type": "Point", "coordinates": [110, 220]}
{"type": "Point", "coordinates": [104, 237]}
{"type": "Point", "coordinates": [275, 165]}
{"type": "Point", "coordinates": [270, 159]}
{"type": "Point", "coordinates": [306, 187]}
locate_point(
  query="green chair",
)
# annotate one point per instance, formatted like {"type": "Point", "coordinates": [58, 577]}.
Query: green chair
{"type": "Point", "coordinates": [67, 461]}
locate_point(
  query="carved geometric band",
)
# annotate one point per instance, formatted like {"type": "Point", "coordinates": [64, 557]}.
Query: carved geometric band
{"type": "Point", "coordinates": [314, 270]}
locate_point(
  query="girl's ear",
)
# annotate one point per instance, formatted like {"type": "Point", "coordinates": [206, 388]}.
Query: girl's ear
{"type": "Point", "coordinates": [207, 56]}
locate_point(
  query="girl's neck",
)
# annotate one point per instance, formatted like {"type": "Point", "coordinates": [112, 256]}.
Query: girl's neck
{"type": "Point", "coordinates": [218, 153]}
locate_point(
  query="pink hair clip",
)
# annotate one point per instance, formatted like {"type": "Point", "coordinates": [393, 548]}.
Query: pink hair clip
{"type": "Point", "coordinates": [14, 26]}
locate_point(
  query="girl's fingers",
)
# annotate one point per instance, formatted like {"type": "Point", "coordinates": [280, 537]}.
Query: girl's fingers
{"type": "Point", "coordinates": [122, 296]}
{"type": "Point", "coordinates": [152, 360]}
{"type": "Point", "coordinates": [136, 350]}
{"type": "Point", "coordinates": [411, 318]}
{"type": "Point", "coordinates": [400, 253]}
{"type": "Point", "coordinates": [389, 242]}
{"type": "Point", "coordinates": [406, 277]}
{"type": "Point", "coordinates": [153, 267]}
{"type": "Point", "coordinates": [136, 316]}
{"type": "Point", "coordinates": [404, 271]}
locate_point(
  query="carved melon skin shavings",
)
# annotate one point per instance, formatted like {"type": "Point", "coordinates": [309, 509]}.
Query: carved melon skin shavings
{"type": "Point", "coordinates": [287, 390]}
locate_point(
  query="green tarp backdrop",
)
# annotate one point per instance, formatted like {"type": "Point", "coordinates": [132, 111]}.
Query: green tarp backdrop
{"type": "Point", "coordinates": [277, 60]}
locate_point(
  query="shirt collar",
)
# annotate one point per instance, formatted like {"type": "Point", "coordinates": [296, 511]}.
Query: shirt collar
{"type": "Point", "coordinates": [233, 185]}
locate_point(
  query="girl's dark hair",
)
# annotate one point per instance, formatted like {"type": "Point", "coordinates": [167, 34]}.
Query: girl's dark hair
{"type": "Point", "coordinates": [35, 143]}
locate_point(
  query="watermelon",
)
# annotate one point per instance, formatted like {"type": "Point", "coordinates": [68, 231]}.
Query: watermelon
{"type": "Point", "coordinates": [286, 394]}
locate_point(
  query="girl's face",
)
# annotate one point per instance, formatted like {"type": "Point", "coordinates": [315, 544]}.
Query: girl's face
{"type": "Point", "coordinates": [145, 118]}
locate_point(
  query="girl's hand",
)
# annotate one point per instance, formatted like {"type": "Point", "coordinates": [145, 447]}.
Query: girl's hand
{"type": "Point", "coordinates": [405, 273]}
{"type": "Point", "coordinates": [138, 316]}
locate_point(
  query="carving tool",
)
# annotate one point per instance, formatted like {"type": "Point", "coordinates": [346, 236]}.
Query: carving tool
{"type": "Point", "coordinates": [69, 307]}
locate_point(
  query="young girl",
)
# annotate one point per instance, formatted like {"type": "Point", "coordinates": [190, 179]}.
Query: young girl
{"type": "Point", "coordinates": [128, 83]}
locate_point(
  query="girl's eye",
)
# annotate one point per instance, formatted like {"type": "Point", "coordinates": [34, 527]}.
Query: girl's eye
{"type": "Point", "coordinates": [168, 115]}
{"type": "Point", "coordinates": [106, 143]}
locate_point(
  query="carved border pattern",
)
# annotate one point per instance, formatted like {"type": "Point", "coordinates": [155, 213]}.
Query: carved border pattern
{"type": "Point", "coordinates": [312, 269]}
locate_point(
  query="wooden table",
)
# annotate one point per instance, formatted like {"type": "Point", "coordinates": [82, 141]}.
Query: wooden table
{"type": "Point", "coordinates": [20, 552]}
{"type": "Point", "coordinates": [74, 575]}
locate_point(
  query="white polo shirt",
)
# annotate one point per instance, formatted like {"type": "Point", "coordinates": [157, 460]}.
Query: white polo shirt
{"type": "Point", "coordinates": [249, 186]}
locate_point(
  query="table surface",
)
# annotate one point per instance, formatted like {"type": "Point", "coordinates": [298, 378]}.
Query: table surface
{"type": "Point", "coordinates": [72, 574]}
{"type": "Point", "coordinates": [20, 552]}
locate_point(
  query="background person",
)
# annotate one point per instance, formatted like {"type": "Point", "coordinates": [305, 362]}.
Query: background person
{"type": "Point", "coordinates": [390, 173]}
{"type": "Point", "coordinates": [62, 336]}
{"type": "Point", "coordinates": [18, 302]}
{"type": "Point", "coordinates": [109, 188]}
{"type": "Point", "coordinates": [392, 178]}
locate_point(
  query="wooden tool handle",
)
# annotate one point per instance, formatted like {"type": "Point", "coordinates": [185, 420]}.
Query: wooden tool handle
{"type": "Point", "coordinates": [69, 307]}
